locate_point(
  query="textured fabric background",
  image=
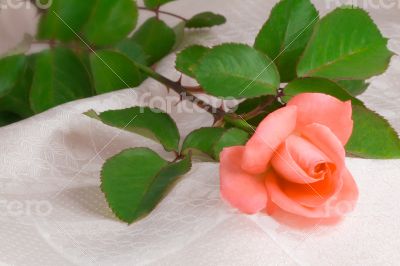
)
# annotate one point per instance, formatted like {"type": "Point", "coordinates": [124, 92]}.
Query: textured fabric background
{"type": "Point", "coordinates": [54, 158]}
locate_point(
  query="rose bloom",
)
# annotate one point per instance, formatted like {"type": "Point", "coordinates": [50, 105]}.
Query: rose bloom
{"type": "Point", "coordinates": [295, 161]}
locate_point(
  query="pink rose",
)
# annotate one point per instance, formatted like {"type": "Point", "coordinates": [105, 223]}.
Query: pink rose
{"type": "Point", "coordinates": [295, 160]}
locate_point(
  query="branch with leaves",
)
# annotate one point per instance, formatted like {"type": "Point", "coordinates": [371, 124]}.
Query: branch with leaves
{"type": "Point", "coordinates": [91, 51]}
{"type": "Point", "coordinates": [292, 54]}
{"type": "Point", "coordinates": [334, 55]}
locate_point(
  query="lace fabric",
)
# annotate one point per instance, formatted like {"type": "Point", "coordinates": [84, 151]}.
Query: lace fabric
{"type": "Point", "coordinates": [53, 161]}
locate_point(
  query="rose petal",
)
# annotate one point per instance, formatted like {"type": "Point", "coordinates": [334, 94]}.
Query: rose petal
{"type": "Point", "coordinates": [296, 159]}
{"type": "Point", "coordinates": [338, 205]}
{"type": "Point", "coordinates": [241, 189]}
{"type": "Point", "coordinates": [324, 139]}
{"type": "Point", "coordinates": [315, 194]}
{"type": "Point", "coordinates": [271, 132]}
{"type": "Point", "coordinates": [283, 201]}
{"type": "Point", "coordinates": [346, 200]}
{"type": "Point", "coordinates": [324, 109]}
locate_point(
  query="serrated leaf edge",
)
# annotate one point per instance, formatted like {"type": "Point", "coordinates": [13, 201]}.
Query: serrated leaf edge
{"type": "Point", "coordinates": [170, 187]}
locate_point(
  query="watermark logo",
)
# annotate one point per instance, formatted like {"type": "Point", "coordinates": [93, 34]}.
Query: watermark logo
{"type": "Point", "coordinates": [25, 4]}
{"type": "Point", "coordinates": [185, 103]}
{"type": "Point", "coordinates": [339, 208]}
{"type": "Point", "coordinates": [20, 208]}
{"type": "Point", "coordinates": [365, 4]}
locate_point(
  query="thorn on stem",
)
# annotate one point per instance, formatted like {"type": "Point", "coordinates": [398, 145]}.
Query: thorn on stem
{"type": "Point", "coordinates": [222, 106]}
{"type": "Point", "coordinates": [180, 79]}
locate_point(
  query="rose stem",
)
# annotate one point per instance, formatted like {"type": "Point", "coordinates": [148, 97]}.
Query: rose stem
{"type": "Point", "coordinates": [176, 86]}
{"type": "Point", "coordinates": [157, 11]}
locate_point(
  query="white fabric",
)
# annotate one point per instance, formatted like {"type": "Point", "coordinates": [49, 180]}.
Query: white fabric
{"type": "Point", "coordinates": [56, 157]}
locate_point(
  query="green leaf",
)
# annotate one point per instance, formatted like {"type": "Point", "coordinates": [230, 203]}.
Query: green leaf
{"type": "Point", "coordinates": [205, 19]}
{"type": "Point", "coordinates": [11, 68]}
{"type": "Point", "coordinates": [286, 33]}
{"type": "Point", "coordinates": [59, 77]}
{"type": "Point", "coordinates": [188, 60]}
{"type": "Point", "coordinates": [179, 30]}
{"type": "Point", "coordinates": [64, 19]}
{"type": "Point", "coordinates": [372, 137]}
{"type": "Point", "coordinates": [136, 180]}
{"type": "Point", "coordinates": [202, 141]}
{"type": "Point", "coordinates": [113, 71]}
{"type": "Point", "coordinates": [156, 39]}
{"type": "Point", "coordinates": [346, 44]}
{"type": "Point", "coordinates": [151, 123]}
{"type": "Point", "coordinates": [354, 87]}
{"type": "Point", "coordinates": [111, 21]}
{"type": "Point", "coordinates": [84, 57]}
{"type": "Point", "coordinates": [133, 51]}
{"type": "Point", "coordinates": [7, 118]}
{"type": "Point", "coordinates": [17, 100]}
{"type": "Point", "coordinates": [237, 70]}
{"type": "Point", "coordinates": [231, 137]}
{"type": "Point", "coordinates": [319, 85]}
{"type": "Point", "coordinates": [210, 141]}
{"type": "Point", "coordinates": [156, 3]}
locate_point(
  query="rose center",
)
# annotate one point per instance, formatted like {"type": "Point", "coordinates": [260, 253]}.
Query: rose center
{"type": "Point", "coordinates": [322, 169]}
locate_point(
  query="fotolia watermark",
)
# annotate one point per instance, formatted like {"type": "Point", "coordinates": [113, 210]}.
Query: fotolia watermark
{"type": "Point", "coordinates": [365, 4]}
{"type": "Point", "coordinates": [186, 103]}
{"type": "Point", "coordinates": [25, 4]}
{"type": "Point", "coordinates": [340, 208]}
{"type": "Point", "coordinates": [18, 208]}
